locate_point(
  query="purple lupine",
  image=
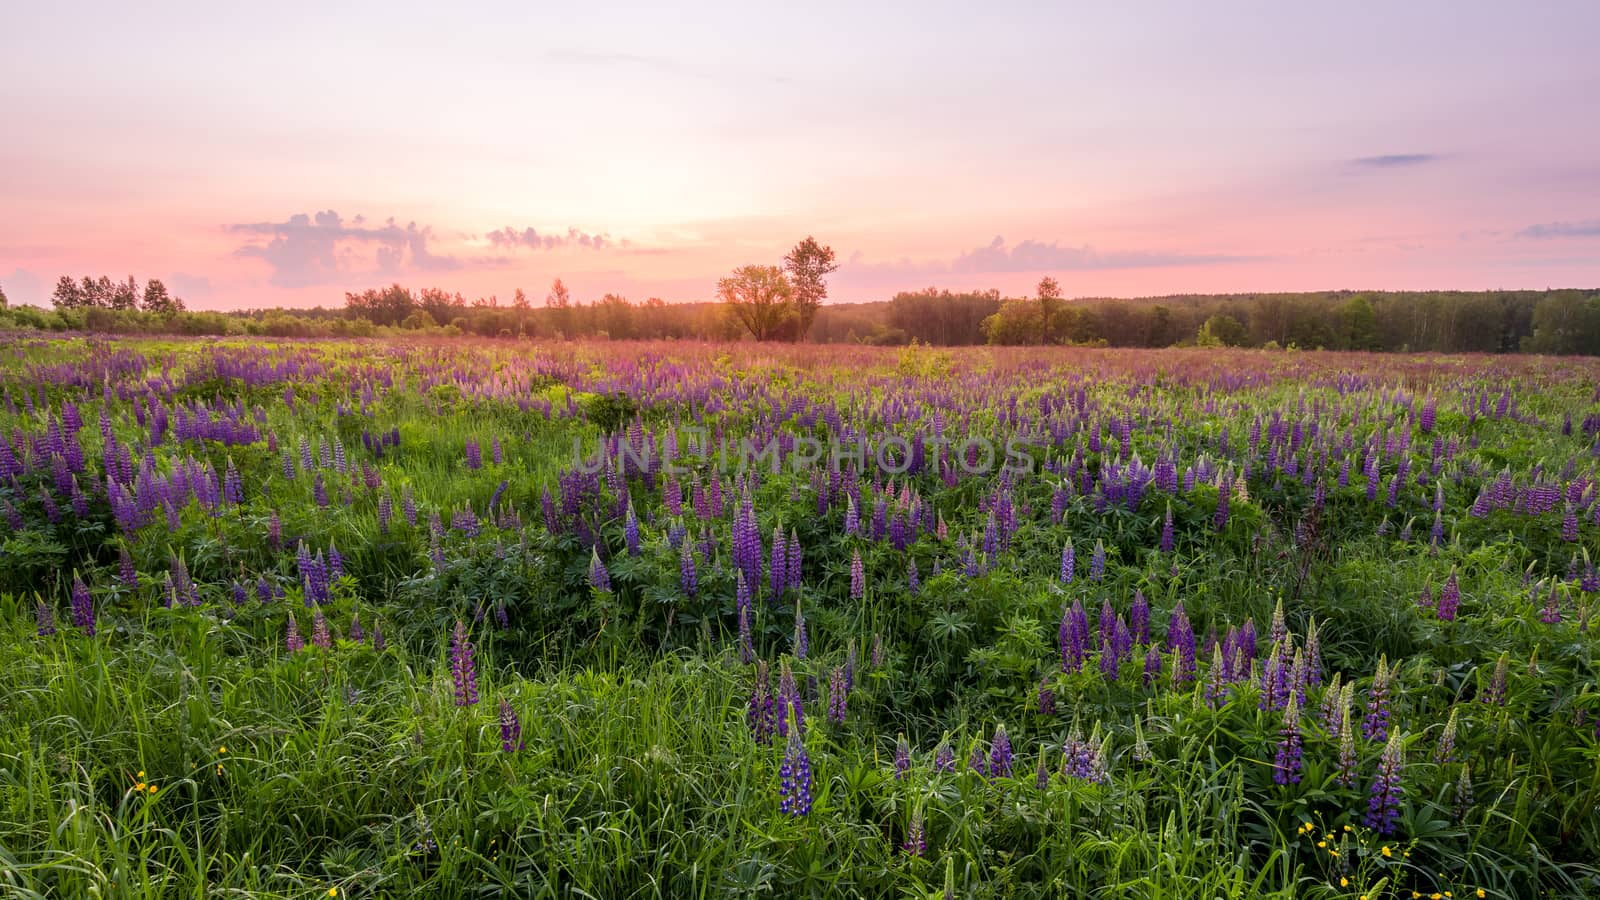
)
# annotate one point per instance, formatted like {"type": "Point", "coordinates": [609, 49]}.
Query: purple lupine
{"type": "Point", "coordinates": [944, 759]}
{"type": "Point", "coordinates": [1286, 764]}
{"type": "Point", "coordinates": [630, 531]}
{"type": "Point", "coordinates": [1495, 693]}
{"type": "Point", "coordinates": [462, 668]}
{"type": "Point", "coordinates": [792, 577]}
{"type": "Point", "coordinates": [125, 570]}
{"type": "Point", "coordinates": [1000, 755]}
{"type": "Point", "coordinates": [82, 606]}
{"type": "Point", "coordinates": [45, 616]}
{"type": "Point", "coordinates": [747, 650]}
{"type": "Point", "coordinates": [1216, 688]}
{"type": "Point", "coordinates": [510, 728]}
{"type": "Point", "coordinates": [1074, 637]}
{"type": "Point", "coordinates": [687, 576]}
{"type": "Point", "coordinates": [1047, 698]}
{"type": "Point", "coordinates": [916, 839]}
{"type": "Point", "coordinates": [356, 633]}
{"type": "Point", "coordinates": [320, 635]}
{"type": "Point", "coordinates": [599, 578]}
{"type": "Point", "coordinates": [378, 641]}
{"type": "Point", "coordinates": [1167, 538]}
{"type": "Point", "coordinates": [794, 776]}
{"type": "Point", "coordinates": [1383, 807]}
{"type": "Point", "coordinates": [1139, 618]}
{"type": "Point", "coordinates": [789, 701]}
{"type": "Point", "coordinates": [759, 712]}
{"type": "Point", "coordinates": [802, 639]}
{"type": "Point", "coordinates": [902, 758]}
{"type": "Point", "coordinates": [1068, 562]}
{"type": "Point", "coordinates": [291, 638]}
{"type": "Point", "coordinates": [838, 695]}
{"type": "Point", "coordinates": [1180, 641]}
{"type": "Point", "coordinates": [976, 761]}
{"type": "Point", "coordinates": [850, 665]}
{"type": "Point", "coordinates": [1097, 562]}
{"type": "Point", "coordinates": [1449, 598]}
{"type": "Point", "coordinates": [858, 577]}
{"type": "Point", "coordinates": [1152, 666]}
{"type": "Point", "coordinates": [778, 564]}
{"type": "Point", "coordinates": [1220, 520]}
{"type": "Point", "coordinates": [913, 581]}
{"type": "Point", "coordinates": [1375, 724]}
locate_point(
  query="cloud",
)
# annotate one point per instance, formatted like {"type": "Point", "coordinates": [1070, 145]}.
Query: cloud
{"type": "Point", "coordinates": [1035, 256]}
{"type": "Point", "coordinates": [1587, 228]}
{"type": "Point", "coordinates": [308, 250]}
{"type": "Point", "coordinates": [510, 238]}
{"type": "Point", "coordinates": [1395, 160]}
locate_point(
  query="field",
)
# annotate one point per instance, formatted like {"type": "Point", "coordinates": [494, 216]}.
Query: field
{"type": "Point", "coordinates": [613, 620]}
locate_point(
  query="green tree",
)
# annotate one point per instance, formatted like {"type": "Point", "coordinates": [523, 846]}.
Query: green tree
{"type": "Point", "coordinates": [1222, 330]}
{"type": "Point", "coordinates": [67, 295]}
{"type": "Point", "coordinates": [1049, 293]}
{"type": "Point", "coordinates": [157, 300]}
{"type": "Point", "coordinates": [808, 265]}
{"type": "Point", "coordinates": [125, 294]}
{"type": "Point", "coordinates": [760, 297]}
{"type": "Point", "coordinates": [3, 302]}
{"type": "Point", "coordinates": [1358, 324]}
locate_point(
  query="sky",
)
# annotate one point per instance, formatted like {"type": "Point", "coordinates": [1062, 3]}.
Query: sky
{"type": "Point", "coordinates": [280, 155]}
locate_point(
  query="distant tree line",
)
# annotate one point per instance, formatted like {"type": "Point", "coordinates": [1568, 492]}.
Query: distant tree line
{"type": "Point", "coordinates": [785, 303]}
{"type": "Point", "coordinates": [1557, 321]}
{"type": "Point", "coordinates": [103, 293]}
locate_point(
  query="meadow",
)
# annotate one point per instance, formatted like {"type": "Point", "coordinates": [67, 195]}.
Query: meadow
{"type": "Point", "coordinates": [408, 619]}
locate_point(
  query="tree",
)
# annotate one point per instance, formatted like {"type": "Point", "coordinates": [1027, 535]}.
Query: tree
{"type": "Point", "coordinates": [158, 301]}
{"type": "Point", "coordinates": [97, 291]}
{"type": "Point", "coordinates": [760, 297]}
{"type": "Point", "coordinates": [520, 300]}
{"type": "Point", "coordinates": [1360, 324]}
{"type": "Point", "coordinates": [3, 303]}
{"type": "Point", "coordinates": [389, 306]}
{"type": "Point", "coordinates": [1049, 301]}
{"type": "Point", "coordinates": [559, 301]}
{"type": "Point", "coordinates": [1222, 331]}
{"type": "Point", "coordinates": [67, 294]}
{"type": "Point", "coordinates": [807, 265]}
{"type": "Point", "coordinates": [125, 294]}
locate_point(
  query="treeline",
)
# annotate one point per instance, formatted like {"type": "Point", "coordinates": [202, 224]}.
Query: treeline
{"type": "Point", "coordinates": [1557, 321]}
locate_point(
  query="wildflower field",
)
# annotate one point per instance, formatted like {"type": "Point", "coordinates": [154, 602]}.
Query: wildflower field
{"type": "Point", "coordinates": [372, 619]}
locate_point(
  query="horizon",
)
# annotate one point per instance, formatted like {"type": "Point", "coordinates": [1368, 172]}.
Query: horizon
{"type": "Point", "coordinates": [1130, 155]}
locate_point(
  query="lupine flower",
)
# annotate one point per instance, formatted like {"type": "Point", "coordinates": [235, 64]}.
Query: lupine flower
{"type": "Point", "coordinates": [1461, 795]}
{"type": "Point", "coordinates": [944, 759]}
{"type": "Point", "coordinates": [1445, 752]}
{"type": "Point", "coordinates": [789, 701]}
{"type": "Point", "coordinates": [1449, 598]}
{"type": "Point", "coordinates": [320, 636]}
{"type": "Point", "coordinates": [976, 761]}
{"type": "Point", "coordinates": [45, 616]}
{"type": "Point", "coordinates": [913, 581]}
{"type": "Point", "coordinates": [462, 669]}
{"type": "Point", "coordinates": [1495, 693]}
{"type": "Point", "coordinates": [630, 531]}
{"type": "Point", "coordinates": [1383, 809]}
{"type": "Point", "coordinates": [1287, 763]}
{"type": "Point", "coordinates": [850, 665]}
{"type": "Point", "coordinates": [1152, 666]}
{"type": "Point", "coordinates": [858, 577]}
{"type": "Point", "coordinates": [1375, 724]}
{"type": "Point", "coordinates": [1097, 562]}
{"type": "Point", "coordinates": [1330, 706]}
{"type": "Point", "coordinates": [599, 578]}
{"type": "Point", "coordinates": [356, 634]}
{"type": "Point", "coordinates": [838, 695]}
{"type": "Point", "coordinates": [760, 710]}
{"type": "Point", "coordinates": [82, 606]}
{"type": "Point", "coordinates": [1000, 755]}
{"type": "Point", "coordinates": [510, 728]}
{"type": "Point", "coordinates": [795, 778]}
{"type": "Point", "coordinates": [1068, 563]}
{"type": "Point", "coordinates": [802, 641]}
{"type": "Point", "coordinates": [1167, 539]}
{"type": "Point", "coordinates": [1216, 690]}
{"type": "Point", "coordinates": [291, 638]}
{"type": "Point", "coordinates": [378, 641]}
{"type": "Point", "coordinates": [1347, 737]}
{"type": "Point", "coordinates": [1047, 698]}
{"type": "Point", "coordinates": [916, 842]}
{"type": "Point", "coordinates": [902, 758]}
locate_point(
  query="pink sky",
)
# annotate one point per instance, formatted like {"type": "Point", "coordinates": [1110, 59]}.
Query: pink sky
{"type": "Point", "coordinates": [257, 158]}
